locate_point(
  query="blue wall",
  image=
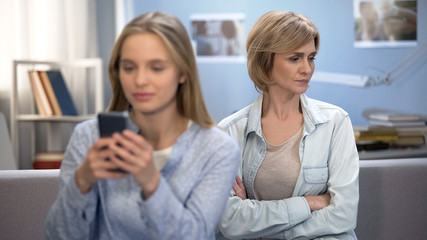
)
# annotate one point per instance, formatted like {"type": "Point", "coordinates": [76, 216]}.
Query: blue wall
{"type": "Point", "coordinates": [227, 87]}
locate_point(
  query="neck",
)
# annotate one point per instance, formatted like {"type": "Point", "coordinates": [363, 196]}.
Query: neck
{"type": "Point", "coordinates": [160, 129]}
{"type": "Point", "coordinates": [280, 106]}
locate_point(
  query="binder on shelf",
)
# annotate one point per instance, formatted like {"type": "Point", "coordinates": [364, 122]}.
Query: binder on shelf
{"type": "Point", "coordinates": [43, 105]}
{"type": "Point", "coordinates": [62, 94]}
{"type": "Point", "coordinates": [50, 93]}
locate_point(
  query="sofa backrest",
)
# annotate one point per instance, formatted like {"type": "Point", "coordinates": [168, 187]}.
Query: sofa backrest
{"type": "Point", "coordinates": [25, 197]}
{"type": "Point", "coordinates": [393, 199]}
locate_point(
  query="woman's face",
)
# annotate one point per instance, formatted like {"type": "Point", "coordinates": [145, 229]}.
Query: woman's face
{"type": "Point", "coordinates": [148, 75]}
{"type": "Point", "coordinates": [292, 72]}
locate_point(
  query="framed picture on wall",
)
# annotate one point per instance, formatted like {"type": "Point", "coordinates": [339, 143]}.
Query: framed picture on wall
{"type": "Point", "coordinates": [218, 37]}
{"type": "Point", "coordinates": [385, 23]}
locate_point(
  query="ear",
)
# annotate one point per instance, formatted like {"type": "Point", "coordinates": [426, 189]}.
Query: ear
{"type": "Point", "coordinates": [182, 79]}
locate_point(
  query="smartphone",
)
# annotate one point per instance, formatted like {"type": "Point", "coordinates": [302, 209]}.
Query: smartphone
{"type": "Point", "coordinates": [112, 122]}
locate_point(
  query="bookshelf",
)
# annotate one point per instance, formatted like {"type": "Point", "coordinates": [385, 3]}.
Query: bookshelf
{"type": "Point", "coordinates": [31, 132]}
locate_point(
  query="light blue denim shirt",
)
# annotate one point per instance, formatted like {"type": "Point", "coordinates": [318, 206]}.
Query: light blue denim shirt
{"type": "Point", "coordinates": [329, 163]}
{"type": "Point", "coordinates": [193, 189]}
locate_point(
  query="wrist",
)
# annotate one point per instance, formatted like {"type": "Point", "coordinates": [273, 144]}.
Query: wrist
{"type": "Point", "coordinates": [82, 184]}
{"type": "Point", "coordinates": [151, 186]}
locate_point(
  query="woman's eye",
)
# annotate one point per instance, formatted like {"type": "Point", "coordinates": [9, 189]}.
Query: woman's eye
{"type": "Point", "coordinates": [312, 58]}
{"type": "Point", "coordinates": [294, 59]}
{"type": "Point", "coordinates": [127, 69]}
{"type": "Point", "coordinates": [157, 69]}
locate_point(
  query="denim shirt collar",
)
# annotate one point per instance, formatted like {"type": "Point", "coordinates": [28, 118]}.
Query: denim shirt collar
{"type": "Point", "coordinates": [254, 118]}
{"type": "Point", "coordinates": [312, 115]}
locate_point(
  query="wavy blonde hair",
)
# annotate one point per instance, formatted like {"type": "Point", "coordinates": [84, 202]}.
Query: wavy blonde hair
{"type": "Point", "coordinates": [189, 96]}
{"type": "Point", "coordinates": [276, 32]}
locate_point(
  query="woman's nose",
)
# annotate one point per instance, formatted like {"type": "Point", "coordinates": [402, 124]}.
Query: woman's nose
{"type": "Point", "coordinates": [307, 67]}
{"type": "Point", "coordinates": [141, 78]}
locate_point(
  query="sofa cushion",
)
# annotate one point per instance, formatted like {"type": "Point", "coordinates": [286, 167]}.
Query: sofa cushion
{"type": "Point", "coordinates": [25, 197]}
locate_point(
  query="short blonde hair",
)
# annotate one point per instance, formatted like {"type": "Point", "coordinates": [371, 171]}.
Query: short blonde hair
{"type": "Point", "coordinates": [189, 96]}
{"type": "Point", "coordinates": [276, 32]}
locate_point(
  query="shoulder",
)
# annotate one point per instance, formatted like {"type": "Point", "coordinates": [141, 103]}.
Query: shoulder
{"type": "Point", "coordinates": [214, 135]}
{"type": "Point", "coordinates": [86, 132]}
{"type": "Point", "coordinates": [323, 109]}
{"type": "Point", "coordinates": [89, 126]}
{"type": "Point", "coordinates": [239, 118]}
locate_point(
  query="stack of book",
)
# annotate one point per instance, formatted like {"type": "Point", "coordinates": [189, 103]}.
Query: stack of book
{"type": "Point", "coordinates": [51, 93]}
{"type": "Point", "coordinates": [48, 160]}
{"type": "Point", "coordinates": [391, 130]}
{"type": "Point", "coordinates": [374, 137]}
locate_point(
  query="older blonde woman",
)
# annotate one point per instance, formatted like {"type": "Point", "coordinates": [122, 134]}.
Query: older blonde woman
{"type": "Point", "coordinates": [299, 171]}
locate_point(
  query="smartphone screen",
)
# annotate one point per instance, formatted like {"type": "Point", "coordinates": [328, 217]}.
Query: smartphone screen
{"type": "Point", "coordinates": [111, 122]}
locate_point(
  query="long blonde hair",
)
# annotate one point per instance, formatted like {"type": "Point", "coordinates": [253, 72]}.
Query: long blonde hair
{"type": "Point", "coordinates": [189, 96]}
{"type": "Point", "coordinates": [276, 32]}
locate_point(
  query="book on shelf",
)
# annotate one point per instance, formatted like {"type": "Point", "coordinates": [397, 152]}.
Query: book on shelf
{"type": "Point", "coordinates": [42, 101]}
{"type": "Point", "coordinates": [414, 141]}
{"type": "Point", "coordinates": [386, 115]}
{"type": "Point", "coordinates": [46, 165]}
{"type": "Point", "coordinates": [370, 145]}
{"type": "Point", "coordinates": [411, 131]}
{"type": "Point", "coordinates": [384, 138]}
{"type": "Point", "coordinates": [49, 156]}
{"type": "Point", "coordinates": [380, 117]}
{"type": "Point", "coordinates": [48, 160]}
{"type": "Point", "coordinates": [50, 93]}
{"type": "Point", "coordinates": [62, 94]}
{"type": "Point", "coordinates": [416, 123]}
{"type": "Point", "coordinates": [374, 133]}
{"type": "Point", "coordinates": [370, 130]}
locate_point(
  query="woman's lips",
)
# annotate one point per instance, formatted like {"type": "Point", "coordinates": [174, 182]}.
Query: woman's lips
{"type": "Point", "coordinates": [303, 81]}
{"type": "Point", "coordinates": [143, 96]}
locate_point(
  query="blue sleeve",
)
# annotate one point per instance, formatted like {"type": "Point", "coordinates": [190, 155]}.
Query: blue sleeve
{"type": "Point", "coordinates": [72, 213]}
{"type": "Point", "coordinates": [169, 217]}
